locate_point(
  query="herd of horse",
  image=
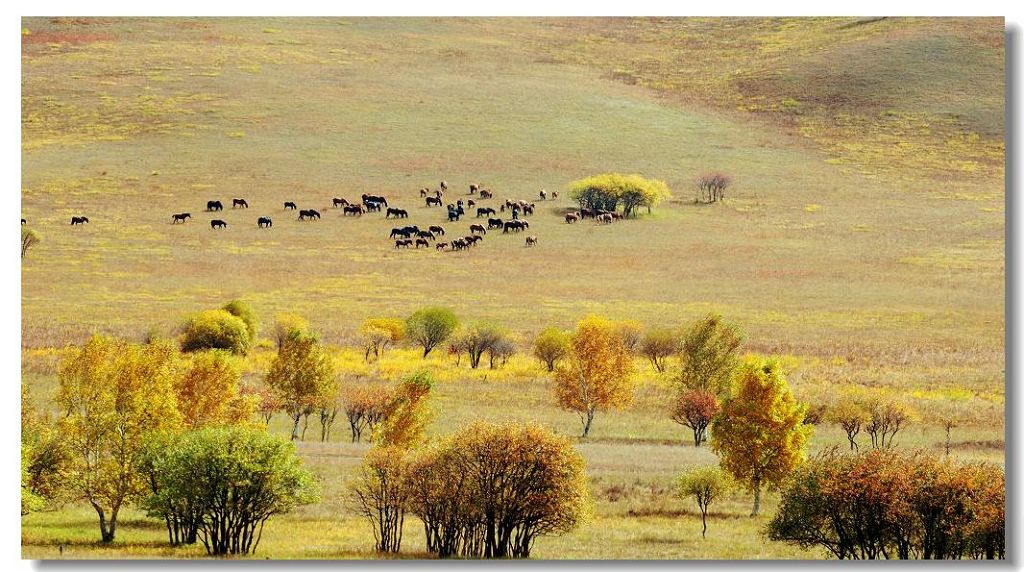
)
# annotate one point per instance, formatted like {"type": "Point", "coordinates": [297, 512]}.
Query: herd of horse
{"type": "Point", "coordinates": [413, 235]}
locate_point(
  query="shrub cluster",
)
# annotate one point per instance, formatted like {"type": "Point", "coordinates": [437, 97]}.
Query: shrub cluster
{"type": "Point", "coordinates": [487, 491]}
{"type": "Point", "coordinates": [884, 504]}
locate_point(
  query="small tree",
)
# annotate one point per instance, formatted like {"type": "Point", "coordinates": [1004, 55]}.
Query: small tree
{"type": "Point", "coordinates": [379, 333]}
{"type": "Point", "coordinates": [365, 407]}
{"type": "Point", "coordinates": [111, 394]}
{"type": "Point", "coordinates": [243, 311]}
{"type": "Point", "coordinates": [302, 375]}
{"type": "Point", "coordinates": [216, 330]}
{"type": "Point", "coordinates": [708, 355]}
{"type": "Point", "coordinates": [551, 345]}
{"type": "Point", "coordinates": [288, 325]}
{"type": "Point", "coordinates": [235, 479]}
{"type": "Point", "coordinates": [885, 419]}
{"type": "Point", "coordinates": [478, 338]}
{"type": "Point", "coordinates": [657, 345]}
{"type": "Point", "coordinates": [851, 417]}
{"type": "Point", "coordinates": [429, 327]}
{"type": "Point", "coordinates": [502, 349]}
{"type": "Point", "coordinates": [381, 494]}
{"type": "Point", "coordinates": [696, 409]}
{"type": "Point", "coordinates": [712, 186]}
{"type": "Point", "coordinates": [759, 432]}
{"type": "Point", "coordinates": [407, 415]}
{"type": "Point", "coordinates": [611, 190]}
{"type": "Point", "coordinates": [598, 375]}
{"type": "Point", "coordinates": [704, 485]}
{"type": "Point", "coordinates": [29, 238]}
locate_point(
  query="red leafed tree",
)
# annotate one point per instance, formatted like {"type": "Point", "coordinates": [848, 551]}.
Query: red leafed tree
{"type": "Point", "coordinates": [695, 409]}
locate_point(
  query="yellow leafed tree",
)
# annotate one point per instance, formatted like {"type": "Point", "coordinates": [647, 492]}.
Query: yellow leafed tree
{"type": "Point", "coordinates": [597, 375]}
{"type": "Point", "coordinates": [112, 393]}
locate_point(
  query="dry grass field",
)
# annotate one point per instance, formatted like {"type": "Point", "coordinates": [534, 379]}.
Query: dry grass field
{"type": "Point", "coordinates": [863, 239]}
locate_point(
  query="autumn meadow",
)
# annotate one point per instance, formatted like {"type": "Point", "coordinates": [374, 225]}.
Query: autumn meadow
{"type": "Point", "coordinates": [546, 288]}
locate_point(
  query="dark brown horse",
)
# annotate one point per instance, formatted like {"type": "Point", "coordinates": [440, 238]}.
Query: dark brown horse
{"type": "Point", "coordinates": [180, 217]}
{"type": "Point", "coordinates": [264, 221]}
{"type": "Point", "coordinates": [77, 220]}
{"type": "Point", "coordinates": [290, 205]}
{"type": "Point", "coordinates": [239, 203]}
{"type": "Point", "coordinates": [217, 223]}
{"type": "Point", "coordinates": [433, 201]}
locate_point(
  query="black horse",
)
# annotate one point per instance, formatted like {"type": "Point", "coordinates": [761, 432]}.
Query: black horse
{"type": "Point", "coordinates": [176, 218]}
{"type": "Point", "coordinates": [399, 213]}
{"type": "Point", "coordinates": [290, 205]}
{"type": "Point", "coordinates": [495, 223]}
{"type": "Point", "coordinates": [396, 232]}
{"type": "Point", "coordinates": [309, 214]}
{"type": "Point", "coordinates": [352, 209]}
{"type": "Point", "coordinates": [453, 215]}
{"type": "Point", "coordinates": [239, 203]}
{"type": "Point", "coordinates": [484, 211]}
{"type": "Point", "coordinates": [76, 220]}
{"type": "Point", "coordinates": [264, 221]}
{"type": "Point", "coordinates": [373, 206]}
{"type": "Point", "coordinates": [214, 206]}
{"type": "Point", "coordinates": [374, 198]}
{"type": "Point", "coordinates": [217, 223]}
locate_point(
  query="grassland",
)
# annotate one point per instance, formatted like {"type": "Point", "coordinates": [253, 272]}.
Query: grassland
{"type": "Point", "coordinates": [863, 238]}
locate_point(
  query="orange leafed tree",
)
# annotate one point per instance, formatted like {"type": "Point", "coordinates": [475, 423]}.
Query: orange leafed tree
{"type": "Point", "coordinates": [597, 375]}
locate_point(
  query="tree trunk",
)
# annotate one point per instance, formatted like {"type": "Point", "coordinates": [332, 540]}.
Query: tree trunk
{"type": "Point", "coordinates": [757, 500]}
{"type": "Point", "coordinates": [295, 425]}
{"type": "Point", "coordinates": [590, 419]}
{"type": "Point", "coordinates": [704, 521]}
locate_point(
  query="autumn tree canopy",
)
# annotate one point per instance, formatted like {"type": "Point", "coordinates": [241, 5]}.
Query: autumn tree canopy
{"type": "Point", "coordinates": [597, 375]}
{"type": "Point", "coordinates": [111, 394]}
{"type": "Point", "coordinates": [759, 432]}
{"type": "Point", "coordinates": [609, 191]}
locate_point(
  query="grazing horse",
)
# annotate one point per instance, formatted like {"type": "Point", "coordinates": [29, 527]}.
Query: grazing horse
{"type": "Point", "coordinates": [437, 230]}
{"type": "Point", "coordinates": [338, 202]}
{"type": "Point", "coordinates": [214, 206]}
{"type": "Point", "coordinates": [512, 225]}
{"type": "Point", "coordinates": [404, 242]}
{"type": "Point", "coordinates": [475, 228]}
{"type": "Point", "coordinates": [531, 241]}
{"type": "Point", "coordinates": [495, 223]}
{"type": "Point", "coordinates": [399, 213]}
{"type": "Point", "coordinates": [290, 205]}
{"type": "Point", "coordinates": [264, 221]}
{"type": "Point", "coordinates": [374, 198]}
{"type": "Point", "coordinates": [425, 234]}
{"type": "Point", "coordinates": [554, 195]}
{"type": "Point", "coordinates": [543, 195]}
{"type": "Point", "coordinates": [571, 217]}
{"type": "Point", "coordinates": [355, 210]}
{"type": "Point", "coordinates": [77, 220]}
{"type": "Point", "coordinates": [309, 214]}
{"type": "Point", "coordinates": [486, 194]}
{"type": "Point", "coordinates": [444, 185]}
{"type": "Point", "coordinates": [440, 245]}
{"type": "Point", "coordinates": [422, 241]}
{"type": "Point", "coordinates": [458, 244]}
{"type": "Point", "coordinates": [453, 215]}
{"type": "Point", "coordinates": [396, 232]}
{"type": "Point", "coordinates": [372, 206]}
{"type": "Point", "coordinates": [239, 203]}
{"type": "Point", "coordinates": [423, 192]}
{"type": "Point", "coordinates": [432, 201]}
{"type": "Point", "coordinates": [528, 209]}
{"type": "Point", "coordinates": [470, 204]}
{"type": "Point", "coordinates": [473, 188]}
{"type": "Point", "coordinates": [587, 213]}
{"type": "Point", "coordinates": [439, 194]}
{"type": "Point", "coordinates": [605, 218]}
{"type": "Point", "coordinates": [217, 223]}
{"type": "Point", "coordinates": [180, 217]}
{"type": "Point", "coordinates": [484, 211]}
